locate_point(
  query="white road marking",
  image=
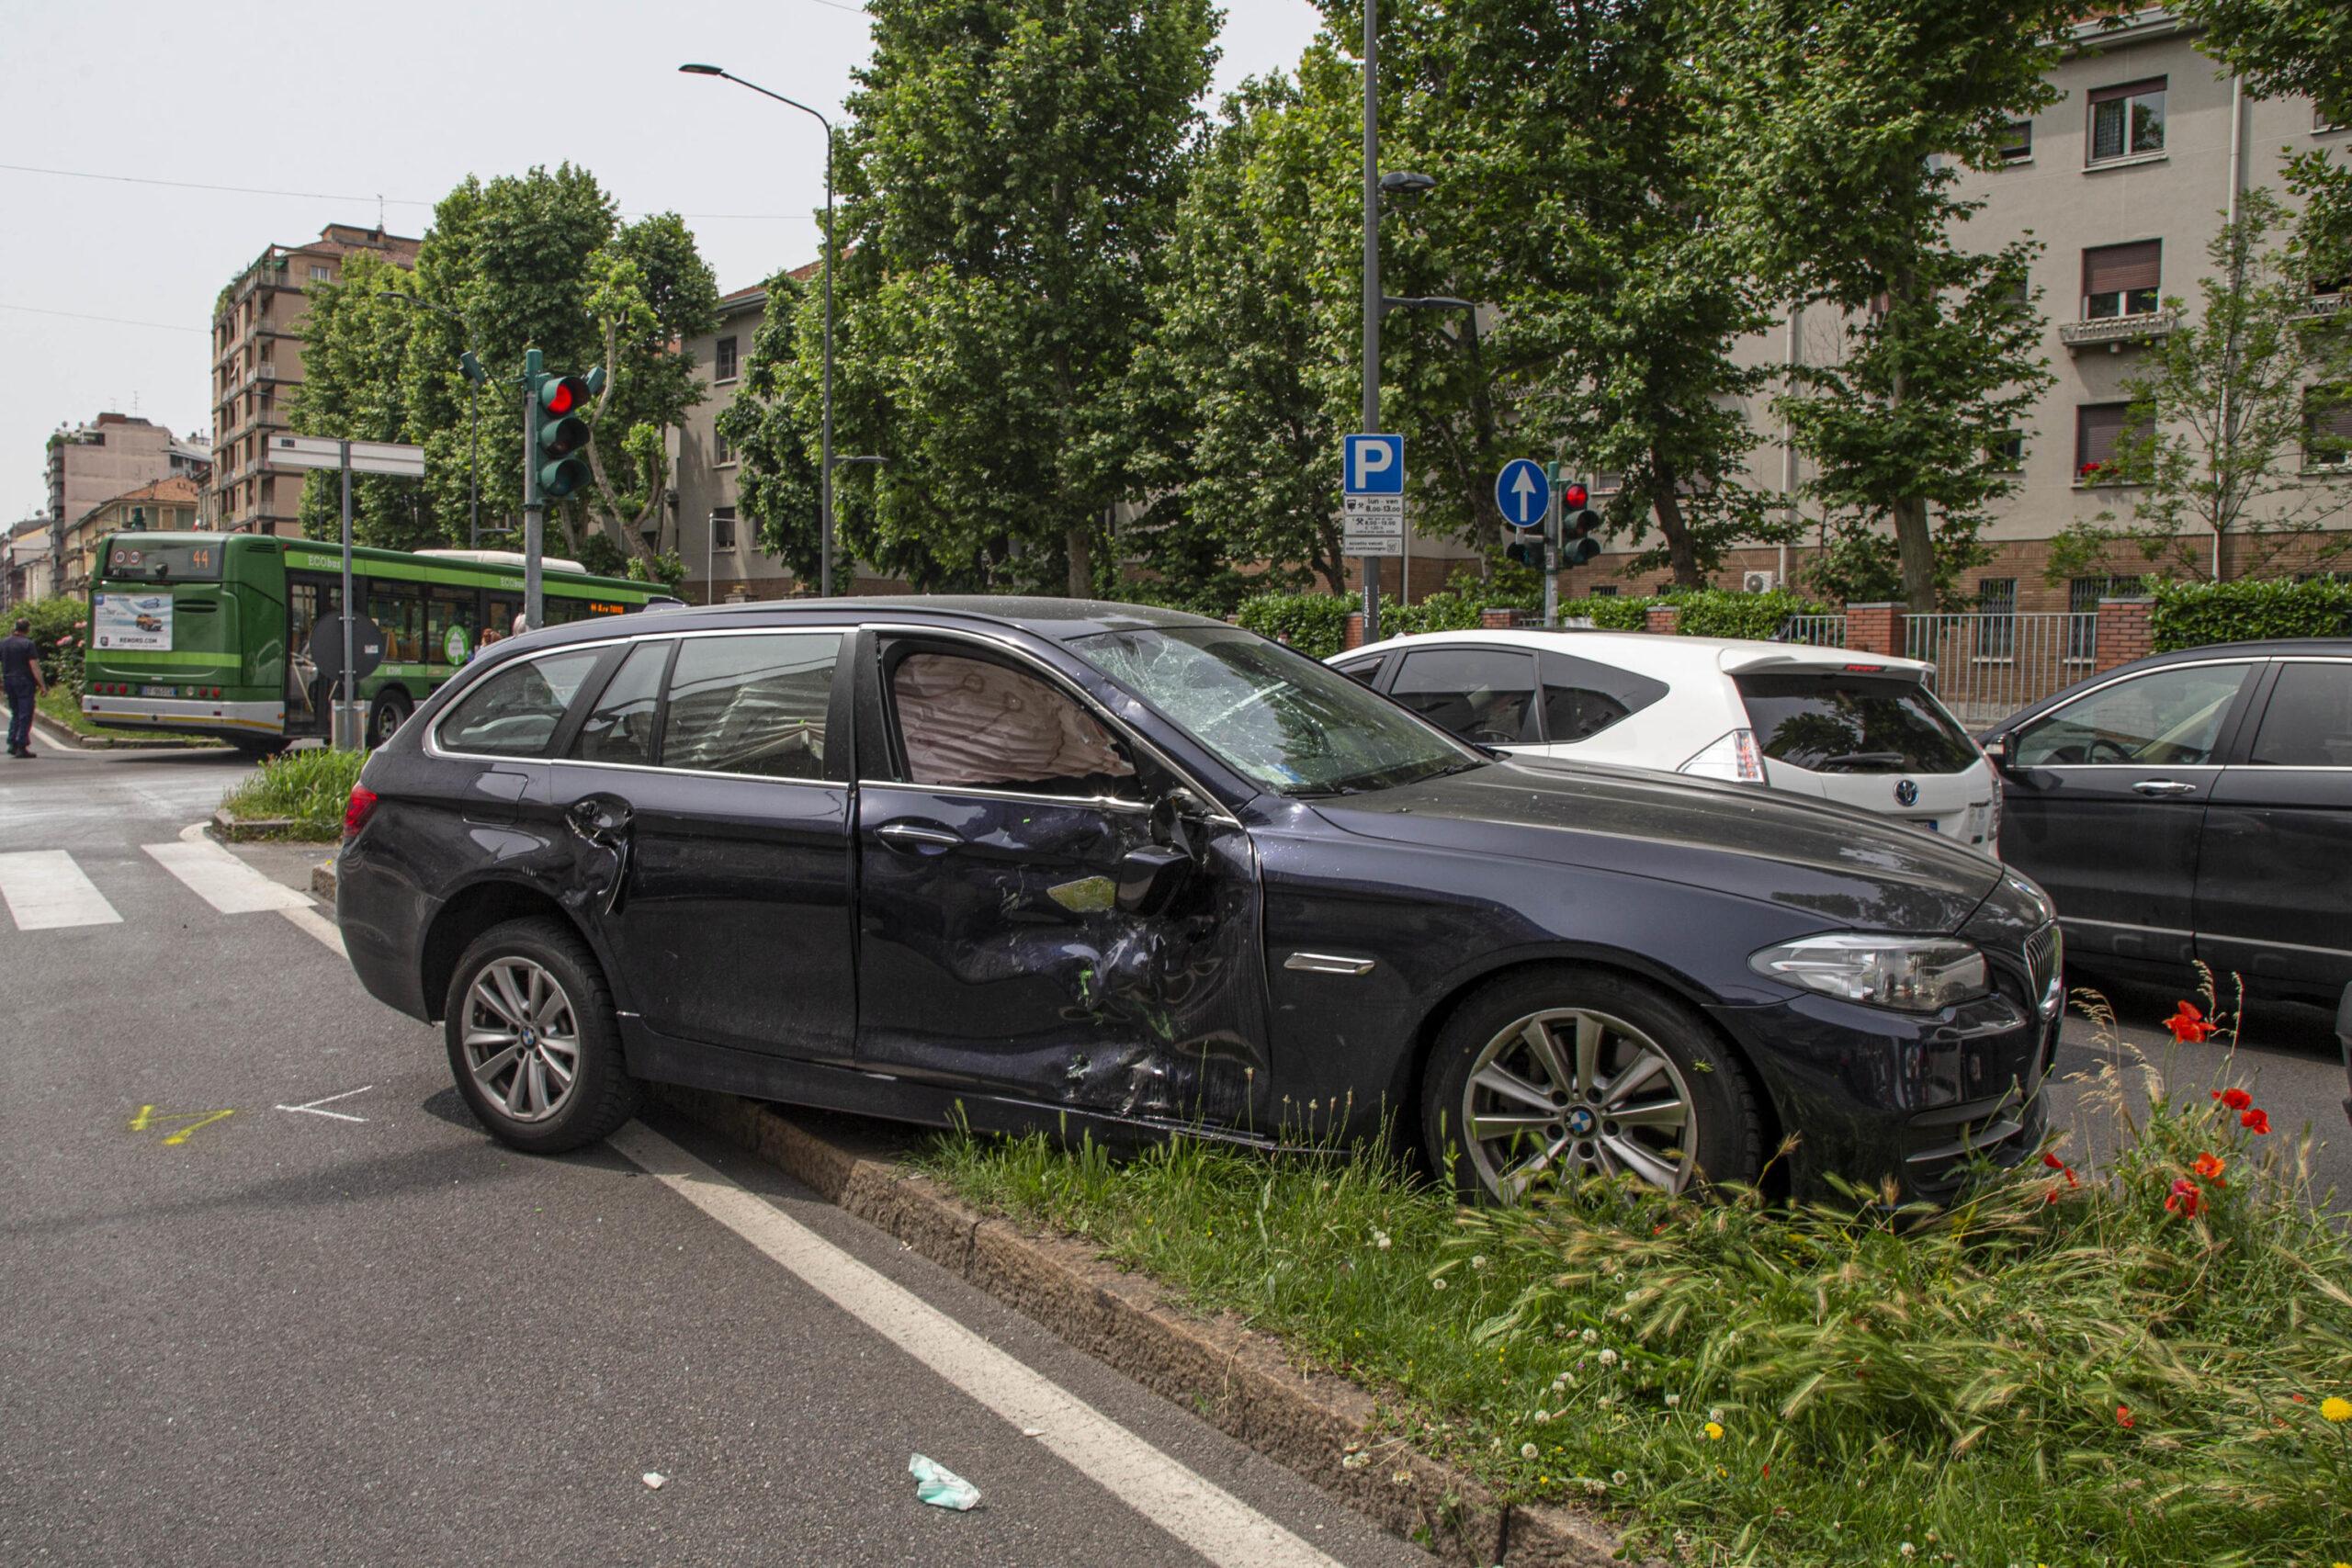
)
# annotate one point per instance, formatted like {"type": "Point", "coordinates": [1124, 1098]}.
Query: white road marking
{"type": "Point", "coordinates": [223, 881]}
{"type": "Point", "coordinates": [311, 1107]}
{"type": "Point", "coordinates": [309, 920]}
{"type": "Point", "coordinates": [1188, 1506]}
{"type": "Point", "coordinates": [46, 891]}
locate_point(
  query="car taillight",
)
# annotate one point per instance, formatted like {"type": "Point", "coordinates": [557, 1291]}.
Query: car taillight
{"type": "Point", "coordinates": [361, 806]}
{"type": "Point", "coordinates": [1733, 758]}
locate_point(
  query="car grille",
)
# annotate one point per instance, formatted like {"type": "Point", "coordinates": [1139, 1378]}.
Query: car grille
{"type": "Point", "coordinates": [2044, 962]}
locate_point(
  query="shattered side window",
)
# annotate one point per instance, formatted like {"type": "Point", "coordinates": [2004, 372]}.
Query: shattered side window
{"type": "Point", "coordinates": [751, 705]}
{"type": "Point", "coordinates": [974, 724]}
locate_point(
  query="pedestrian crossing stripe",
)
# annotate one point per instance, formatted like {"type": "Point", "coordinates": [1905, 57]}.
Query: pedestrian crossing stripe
{"type": "Point", "coordinates": [223, 881]}
{"type": "Point", "coordinates": [46, 891]}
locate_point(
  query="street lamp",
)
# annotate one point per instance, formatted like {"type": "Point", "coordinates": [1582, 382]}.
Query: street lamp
{"type": "Point", "coordinates": [825, 515]}
{"type": "Point", "coordinates": [470, 363]}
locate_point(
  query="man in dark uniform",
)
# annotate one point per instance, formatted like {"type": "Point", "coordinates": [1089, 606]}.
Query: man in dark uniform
{"type": "Point", "coordinates": [20, 673]}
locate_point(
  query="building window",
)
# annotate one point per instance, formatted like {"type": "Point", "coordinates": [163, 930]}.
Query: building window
{"type": "Point", "coordinates": [2327, 427]}
{"type": "Point", "coordinates": [722, 452]}
{"type": "Point", "coordinates": [1997, 634]}
{"type": "Point", "coordinates": [1607, 484]}
{"type": "Point", "coordinates": [320, 273]}
{"type": "Point", "coordinates": [2122, 280]}
{"type": "Point", "coordinates": [1604, 591]}
{"type": "Point", "coordinates": [2017, 142]}
{"type": "Point", "coordinates": [722, 527]}
{"type": "Point", "coordinates": [723, 360]}
{"type": "Point", "coordinates": [2008, 454]}
{"type": "Point", "coordinates": [2128, 119]}
{"type": "Point", "coordinates": [2101, 430]}
{"type": "Point", "coordinates": [2083, 595]}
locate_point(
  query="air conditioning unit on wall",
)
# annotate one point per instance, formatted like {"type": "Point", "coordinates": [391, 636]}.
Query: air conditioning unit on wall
{"type": "Point", "coordinates": [1757, 581]}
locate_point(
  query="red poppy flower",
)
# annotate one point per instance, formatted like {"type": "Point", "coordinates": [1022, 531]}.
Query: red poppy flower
{"type": "Point", "coordinates": [2210, 1166]}
{"type": "Point", "coordinates": [2235, 1098]}
{"type": "Point", "coordinates": [2185, 1199]}
{"type": "Point", "coordinates": [2187, 1025]}
{"type": "Point", "coordinates": [2123, 1417]}
{"type": "Point", "coordinates": [2257, 1120]}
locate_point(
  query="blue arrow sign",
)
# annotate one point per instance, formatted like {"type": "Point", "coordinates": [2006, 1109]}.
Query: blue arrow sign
{"type": "Point", "coordinates": [1375, 466]}
{"type": "Point", "coordinates": [1524, 493]}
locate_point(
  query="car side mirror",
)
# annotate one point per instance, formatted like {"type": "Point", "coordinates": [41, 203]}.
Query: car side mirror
{"type": "Point", "coordinates": [1150, 875]}
{"type": "Point", "coordinates": [1997, 749]}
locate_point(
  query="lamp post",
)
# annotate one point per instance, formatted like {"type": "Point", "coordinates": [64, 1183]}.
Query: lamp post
{"type": "Point", "coordinates": [825, 511]}
{"type": "Point", "coordinates": [471, 364]}
{"type": "Point", "coordinates": [1418, 302]}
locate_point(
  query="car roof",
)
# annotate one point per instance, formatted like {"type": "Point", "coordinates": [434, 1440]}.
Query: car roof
{"type": "Point", "coordinates": [1059, 620]}
{"type": "Point", "coordinates": [1656, 651]}
{"type": "Point", "coordinates": [2280, 648]}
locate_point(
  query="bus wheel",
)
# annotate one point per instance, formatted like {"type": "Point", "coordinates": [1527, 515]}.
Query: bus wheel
{"type": "Point", "coordinates": [389, 712]}
{"type": "Point", "coordinates": [258, 746]}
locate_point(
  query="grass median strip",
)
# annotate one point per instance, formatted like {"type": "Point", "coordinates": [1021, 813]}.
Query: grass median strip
{"type": "Point", "coordinates": [2143, 1362]}
{"type": "Point", "coordinates": [308, 789]}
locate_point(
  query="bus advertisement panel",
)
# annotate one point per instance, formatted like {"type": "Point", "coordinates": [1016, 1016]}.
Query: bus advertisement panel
{"type": "Point", "coordinates": [131, 620]}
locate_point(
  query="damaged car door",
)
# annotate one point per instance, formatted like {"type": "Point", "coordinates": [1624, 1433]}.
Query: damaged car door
{"type": "Point", "coordinates": [1046, 911]}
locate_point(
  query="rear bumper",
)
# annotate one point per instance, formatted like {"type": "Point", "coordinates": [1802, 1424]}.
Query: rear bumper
{"type": "Point", "coordinates": [383, 919]}
{"type": "Point", "coordinates": [211, 717]}
{"type": "Point", "coordinates": [1881, 1098]}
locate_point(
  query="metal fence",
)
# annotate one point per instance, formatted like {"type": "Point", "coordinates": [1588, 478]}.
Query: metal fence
{"type": "Point", "coordinates": [1990, 665]}
{"type": "Point", "coordinates": [1814, 631]}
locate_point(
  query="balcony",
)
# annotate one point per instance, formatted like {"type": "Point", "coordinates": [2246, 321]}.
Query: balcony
{"type": "Point", "coordinates": [2113, 334]}
{"type": "Point", "coordinates": [2322, 306]}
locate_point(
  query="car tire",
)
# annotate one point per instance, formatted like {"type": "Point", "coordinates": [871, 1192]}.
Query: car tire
{"type": "Point", "coordinates": [540, 970]}
{"type": "Point", "coordinates": [1692, 1120]}
{"type": "Point", "coordinates": [389, 711]}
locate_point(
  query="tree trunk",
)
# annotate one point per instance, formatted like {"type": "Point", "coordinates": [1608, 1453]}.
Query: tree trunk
{"type": "Point", "coordinates": [1665, 504]}
{"type": "Point", "coordinates": [1081, 561]}
{"type": "Point", "coordinates": [1915, 548]}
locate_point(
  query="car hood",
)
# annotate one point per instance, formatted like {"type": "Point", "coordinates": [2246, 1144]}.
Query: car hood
{"type": "Point", "coordinates": [1849, 867]}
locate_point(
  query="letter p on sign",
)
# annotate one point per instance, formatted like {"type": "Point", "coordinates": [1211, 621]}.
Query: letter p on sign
{"type": "Point", "coordinates": [1376, 464]}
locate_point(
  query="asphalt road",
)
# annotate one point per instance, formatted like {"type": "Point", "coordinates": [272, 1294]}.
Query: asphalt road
{"type": "Point", "coordinates": [295, 1339]}
{"type": "Point", "coordinates": [271, 1295]}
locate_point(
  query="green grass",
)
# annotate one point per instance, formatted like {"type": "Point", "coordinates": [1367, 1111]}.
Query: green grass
{"type": "Point", "coordinates": [1947, 1378]}
{"type": "Point", "coordinates": [309, 788]}
{"type": "Point", "coordinates": [61, 706]}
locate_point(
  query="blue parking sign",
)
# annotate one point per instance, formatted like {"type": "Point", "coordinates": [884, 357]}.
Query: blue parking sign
{"type": "Point", "coordinates": [1375, 466]}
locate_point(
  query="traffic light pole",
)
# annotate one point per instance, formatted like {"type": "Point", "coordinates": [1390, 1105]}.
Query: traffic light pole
{"type": "Point", "coordinates": [1551, 556]}
{"type": "Point", "coordinates": [346, 711]}
{"type": "Point", "coordinates": [535, 507]}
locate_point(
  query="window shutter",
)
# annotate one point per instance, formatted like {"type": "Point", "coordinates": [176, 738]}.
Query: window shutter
{"type": "Point", "coordinates": [2095, 427]}
{"type": "Point", "coordinates": [2118, 269]}
{"type": "Point", "coordinates": [2127, 90]}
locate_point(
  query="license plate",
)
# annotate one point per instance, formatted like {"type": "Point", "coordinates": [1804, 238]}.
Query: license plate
{"type": "Point", "coordinates": [154, 691]}
{"type": "Point", "coordinates": [1932, 824]}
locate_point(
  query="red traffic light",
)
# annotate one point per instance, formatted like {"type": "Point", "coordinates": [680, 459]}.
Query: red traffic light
{"type": "Point", "coordinates": [562, 394]}
{"type": "Point", "coordinates": [1572, 497]}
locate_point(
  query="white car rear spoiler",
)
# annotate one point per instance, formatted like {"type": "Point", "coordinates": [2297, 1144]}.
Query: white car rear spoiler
{"type": "Point", "coordinates": [1796, 659]}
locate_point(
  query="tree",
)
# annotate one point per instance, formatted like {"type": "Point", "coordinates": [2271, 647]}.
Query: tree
{"type": "Point", "coordinates": [2284, 47]}
{"type": "Point", "coordinates": [1005, 188]}
{"type": "Point", "coordinates": [355, 346]}
{"type": "Point", "coordinates": [1840, 127]}
{"type": "Point", "coordinates": [774, 427]}
{"type": "Point", "coordinates": [2222, 413]}
{"type": "Point", "coordinates": [651, 290]}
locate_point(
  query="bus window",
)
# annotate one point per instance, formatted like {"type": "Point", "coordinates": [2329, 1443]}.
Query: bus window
{"type": "Point", "coordinates": [499, 611]}
{"type": "Point", "coordinates": [308, 602]}
{"type": "Point", "coordinates": [398, 610]}
{"type": "Point", "coordinates": [452, 625]}
{"type": "Point", "coordinates": [564, 612]}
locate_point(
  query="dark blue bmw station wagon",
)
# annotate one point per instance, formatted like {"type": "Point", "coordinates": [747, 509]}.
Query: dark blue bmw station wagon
{"type": "Point", "coordinates": [1042, 863]}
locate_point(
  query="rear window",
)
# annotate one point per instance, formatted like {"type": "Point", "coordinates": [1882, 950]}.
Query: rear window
{"type": "Point", "coordinates": [148, 562]}
{"type": "Point", "coordinates": [1837, 723]}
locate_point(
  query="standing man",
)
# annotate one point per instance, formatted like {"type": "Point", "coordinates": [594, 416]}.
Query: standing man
{"type": "Point", "coordinates": [20, 673]}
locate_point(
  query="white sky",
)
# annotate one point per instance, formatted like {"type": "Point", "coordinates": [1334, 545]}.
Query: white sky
{"type": "Point", "coordinates": [354, 102]}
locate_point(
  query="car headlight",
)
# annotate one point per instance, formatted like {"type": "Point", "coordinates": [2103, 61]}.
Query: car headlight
{"type": "Point", "coordinates": [1912, 973]}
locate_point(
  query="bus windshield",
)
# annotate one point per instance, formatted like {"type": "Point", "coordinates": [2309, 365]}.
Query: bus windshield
{"type": "Point", "coordinates": [143, 562]}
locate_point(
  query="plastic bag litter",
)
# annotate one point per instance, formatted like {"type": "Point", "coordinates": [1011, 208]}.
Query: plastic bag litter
{"type": "Point", "coordinates": [941, 1487]}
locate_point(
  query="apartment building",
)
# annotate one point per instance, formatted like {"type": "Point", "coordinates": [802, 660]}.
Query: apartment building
{"type": "Point", "coordinates": [164, 505]}
{"type": "Point", "coordinates": [2125, 180]}
{"type": "Point", "coordinates": [93, 463]}
{"type": "Point", "coordinates": [257, 359]}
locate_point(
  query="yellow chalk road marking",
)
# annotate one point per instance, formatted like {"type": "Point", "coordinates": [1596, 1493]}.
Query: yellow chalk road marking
{"type": "Point", "coordinates": [150, 1117]}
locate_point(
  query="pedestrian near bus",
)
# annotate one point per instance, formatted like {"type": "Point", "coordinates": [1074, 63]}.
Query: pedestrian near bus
{"type": "Point", "coordinates": [20, 673]}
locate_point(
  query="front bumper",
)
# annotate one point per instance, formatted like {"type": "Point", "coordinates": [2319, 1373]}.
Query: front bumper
{"type": "Point", "coordinates": [1890, 1099]}
{"type": "Point", "coordinates": [209, 718]}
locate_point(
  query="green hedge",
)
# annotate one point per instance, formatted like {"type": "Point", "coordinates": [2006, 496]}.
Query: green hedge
{"type": "Point", "coordinates": [2194, 615]}
{"type": "Point", "coordinates": [1315, 624]}
{"type": "Point", "coordinates": [1719, 612]}
{"type": "Point", "coordinates": [60, 628]}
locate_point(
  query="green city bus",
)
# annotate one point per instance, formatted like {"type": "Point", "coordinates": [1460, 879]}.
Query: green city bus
{"type": "Point", "coordinates": [210, 634]}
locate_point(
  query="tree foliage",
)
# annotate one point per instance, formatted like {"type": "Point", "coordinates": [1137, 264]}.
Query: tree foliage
{"type": "Point", "coordinates": [2296, 47]}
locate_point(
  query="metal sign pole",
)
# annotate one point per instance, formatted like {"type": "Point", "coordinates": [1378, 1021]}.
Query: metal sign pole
{"type": "Point", "coordinates": [345, 711]}
{"type": "Point", "coordinates": [1371, 281]}
{"type": "Point", "coordinates": [1552, 559]}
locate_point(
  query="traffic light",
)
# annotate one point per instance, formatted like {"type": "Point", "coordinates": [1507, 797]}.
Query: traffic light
{"type": "Point", "coordinates": [1526, 546]}
{"type": "Point", "coordinates": [561, 434]}
{"type": "Point", "coordinates": [1578, 524]}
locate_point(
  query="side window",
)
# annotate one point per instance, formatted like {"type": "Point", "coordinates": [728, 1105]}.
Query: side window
{"type": "Point", "coordinates": [1582, 698]}
{"type": "Point", "coordinates": [514, 712]}
{"type": "Point", "coordinates": [2165, 717]}
{"type": "Point", "coordinates": [972, 723]}
{"type": "Point", "coordinates": [620, 728]}
{"type": "Point", "coordinates": [2308, 721]}
{"type": "Point", "coordinates": [1486, 695]}
{"type": "Point", "coordinates": [1364, 670]}
{"type": "Point", "coordinates": [751, 705]}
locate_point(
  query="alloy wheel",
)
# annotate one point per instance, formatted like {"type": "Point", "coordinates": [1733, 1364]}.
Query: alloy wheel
{"type": "Point", "coordinates": [522, 1038]}
{"type": "Point", "coordinates": [1574, 1089]}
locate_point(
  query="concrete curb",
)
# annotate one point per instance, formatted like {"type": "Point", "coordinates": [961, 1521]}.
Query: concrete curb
{"type": "Point", "coordinates": [1237, 1379]}
{"type": "Point", "coordinates": [322, 880]}
{"type": "Point", "coordinates": [245, 830]}
{"type": "Point", "coordinates": [57, 734]}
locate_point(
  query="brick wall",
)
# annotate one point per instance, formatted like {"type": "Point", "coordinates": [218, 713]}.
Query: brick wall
{"type": "Point", "coordinates": [2125, 632]}
{"type": "Point", "coordinates": [1876, 628]}
{"type": "Point", "coordinates": [1661, 619]}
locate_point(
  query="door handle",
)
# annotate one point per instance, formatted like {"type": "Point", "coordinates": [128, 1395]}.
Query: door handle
{"type": "Point", "coordinates": [2163, 788]}
{"type": "Point", "coordinates": [914, 839]}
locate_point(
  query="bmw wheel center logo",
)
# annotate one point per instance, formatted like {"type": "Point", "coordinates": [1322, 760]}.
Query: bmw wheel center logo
{"type": "Point", "coordinates": [1580, 1122]}
{"type": "Point", "coordinates": [1906, 793]}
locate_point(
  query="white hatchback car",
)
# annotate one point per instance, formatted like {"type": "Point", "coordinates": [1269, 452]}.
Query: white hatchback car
{"type": "Point", "coordinates": [1858, 728]}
